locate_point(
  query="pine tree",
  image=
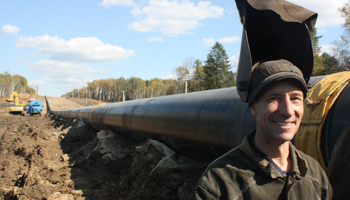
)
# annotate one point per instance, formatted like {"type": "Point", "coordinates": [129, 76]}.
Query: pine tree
{"type": "Point", "coordinates": [331, 64]}
{"type": "Point", "coordinates": [217, 68]}
{"type": "Point", "coordinates": [318, 61]}
{"type": "Point", "coordinates": [198, 76]}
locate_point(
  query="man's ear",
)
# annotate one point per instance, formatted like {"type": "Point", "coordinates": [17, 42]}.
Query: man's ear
{"type": "Point", "coordinates": [252, 108]}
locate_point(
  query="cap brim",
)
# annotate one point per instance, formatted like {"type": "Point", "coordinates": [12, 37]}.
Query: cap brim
{"type": "Point", "coordinates": [274, 78]}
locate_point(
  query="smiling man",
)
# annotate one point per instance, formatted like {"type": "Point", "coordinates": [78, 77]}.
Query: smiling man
{"type": "Point", "coordinates": [266, 165]}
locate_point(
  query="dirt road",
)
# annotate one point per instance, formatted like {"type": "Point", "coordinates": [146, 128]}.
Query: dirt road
{"type": "Point", "coordinates": [47, 157]}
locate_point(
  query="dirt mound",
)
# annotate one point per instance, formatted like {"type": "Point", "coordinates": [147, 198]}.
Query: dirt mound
{"type": "Point", "coordinates": [47, 157]}
{"type": "Point", "coordinates": [21, 96]}
{"type": "Point", "coordinates": [24, 96]}
{"type": "Point", "coordinates": [3, 100]}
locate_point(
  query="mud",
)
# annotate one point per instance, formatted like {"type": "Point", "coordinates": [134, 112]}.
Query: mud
{"type": "Point", "coordinates": [48, 157]}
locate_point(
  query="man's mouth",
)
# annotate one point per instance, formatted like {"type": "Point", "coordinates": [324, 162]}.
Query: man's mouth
{"type": "Point", "coordinates": [283, 123]}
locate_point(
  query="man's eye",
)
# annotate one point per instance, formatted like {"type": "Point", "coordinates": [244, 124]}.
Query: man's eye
{"type": "Point", "coordinates": [296, 99]}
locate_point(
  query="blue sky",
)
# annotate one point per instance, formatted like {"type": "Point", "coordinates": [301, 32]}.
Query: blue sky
{"type": "Point", "coordinates": [62, 45]}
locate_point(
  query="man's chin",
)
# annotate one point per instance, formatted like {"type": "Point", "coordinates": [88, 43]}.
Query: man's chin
{"type": "Point", "coordinates": [288, 136]}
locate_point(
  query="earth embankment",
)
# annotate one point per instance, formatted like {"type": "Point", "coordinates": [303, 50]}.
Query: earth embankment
{"type": "Point", "coordinates": [48, 157]}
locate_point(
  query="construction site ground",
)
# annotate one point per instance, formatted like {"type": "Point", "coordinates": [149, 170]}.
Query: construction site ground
{"type": "Point", "coordinates": [48, 157]}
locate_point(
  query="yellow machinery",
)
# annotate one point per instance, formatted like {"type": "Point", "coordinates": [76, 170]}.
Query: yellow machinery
{"type": "Point", "coordinates": [11, 97]}
{"type": "Point", "coordinates": [36, 92]}
{"type": "Point", "coordinates": [19, 108]}
{"type": "Point", "coordinates": [15, 107]}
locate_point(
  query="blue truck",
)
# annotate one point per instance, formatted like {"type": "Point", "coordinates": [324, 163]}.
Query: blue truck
{"type": "Point", "coordinates": [34, 107]}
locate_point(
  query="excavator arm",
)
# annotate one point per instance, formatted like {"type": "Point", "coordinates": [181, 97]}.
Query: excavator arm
{"type": "Point", "coordinates": [36, 93]}
{"type": "Point", "coordinates": [11, 97]}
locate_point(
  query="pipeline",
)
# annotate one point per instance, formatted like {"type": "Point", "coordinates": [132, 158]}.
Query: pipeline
{"type": "Point", "coordinates": [202, 125]}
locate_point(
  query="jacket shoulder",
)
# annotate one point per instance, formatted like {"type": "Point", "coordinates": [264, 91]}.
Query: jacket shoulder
{"type": "Point", "coordinates": [228, 175]}
{"type": "Point", "coordinates": [314, 170]}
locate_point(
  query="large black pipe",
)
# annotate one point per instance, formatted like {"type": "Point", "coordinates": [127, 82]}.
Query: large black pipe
{"type": "Point", "coordinates": [336, 121]}
{"type": "Point", "coordinates": [201, 125]}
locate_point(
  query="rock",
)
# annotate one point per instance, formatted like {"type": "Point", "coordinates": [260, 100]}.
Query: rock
{"type": "Point", "coordinates": [64, 157]}
{"type": "Point", "coordinates": [59, 196]}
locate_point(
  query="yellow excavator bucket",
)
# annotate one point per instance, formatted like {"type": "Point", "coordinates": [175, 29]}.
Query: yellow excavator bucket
{"type": "Point", "coordinates": [11, 97]}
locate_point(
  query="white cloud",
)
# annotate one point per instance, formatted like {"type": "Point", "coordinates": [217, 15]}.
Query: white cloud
{"type": "Point", "coordinates": [66, 75]}
{"type": "Point", "coordinates": [232, 39]}
{"type": "Point", "coordinates": [234, 62]}
{"type": "Point", "coordinates": [110, 3]}
{"type": "Point", "coordinates": [9, 29]}
{"type": "Point", "coordinates": [89, 49]}
{"type": "Point", "coordinates": [328, 14]}
{"type": "Point", "coordinates": [170, 76]}
{"type": "Point", "coordinates": [208, 41]}
{"type": "Point", "coordinates": [156, 39]}
{"type": "Point", "coordinates": [37, 82]}
{"type": "Point", "coordinates": [211, 41]}
{"type": "Point", "coordinates": [328, 48]}
{"type": "Point", "coordinates": [173, 17]}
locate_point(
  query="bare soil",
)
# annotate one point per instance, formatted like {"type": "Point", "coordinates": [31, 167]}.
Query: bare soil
{"type": "Point", "coordinates": [48, 157]}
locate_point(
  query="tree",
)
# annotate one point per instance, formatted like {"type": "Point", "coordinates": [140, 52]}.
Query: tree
{"type": "Point", "coordinates": [171, 86]}
{"type": "Point", "coordinates": [30, 90]}
{"type": "Point", "coordinates": [106, 86]}
{"type": "Point", "coordinates": [94, 88]}
{"type": "Point", "coordinates": [135, 88]}
{"type": "Point", "coordinates": [120, 85]}
{"type": "Point", "coordinates": [84, 91]}
{"type": "Point", "coordinates": [331, 64]}
{"type": "Point", "coordinates": [318, 62]}
{"type": "Point", "coordinates": [325, 63]}
{"type": "Point", "coordinates": [91, 87]}
{"type": "Point", "coordinates": [342, 52]}
{"type": "Point", "coordinates": [181, 73]}
{"type": "Point", "coordinates": [198, 76]}
{"type": "Point", "coordinates": [3, 85]}
{"type": "Point", "coordinates": [217, 67]}
{"type": "Point", "coordinates": [156, 87]}
{"type": "Point", "coordinates": [14, 82]}
{"type": "Point", "coordinates": [314, 40]}
{"type": "Point", "coordinates": [188, 65]}
{"type": "Point", "coordinates": [230, 79]}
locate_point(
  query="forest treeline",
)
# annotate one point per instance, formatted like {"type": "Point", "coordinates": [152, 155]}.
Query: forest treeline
{"type": "Point", "coordinates": [133, 88]}
{"type": "Point", "coordinates": [13, 82]}
{"type": "Point", "coordinates": [191, 76]}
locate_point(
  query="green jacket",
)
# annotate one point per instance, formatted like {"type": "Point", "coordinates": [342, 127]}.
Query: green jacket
{"type": "Point", "coordinates": [242, 174]}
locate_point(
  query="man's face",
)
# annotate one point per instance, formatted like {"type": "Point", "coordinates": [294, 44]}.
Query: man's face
{"type": "Point", "coordinates": [279, 110]}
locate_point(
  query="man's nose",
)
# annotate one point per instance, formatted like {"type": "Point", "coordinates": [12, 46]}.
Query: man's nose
{"type": "Point", "coordinates": [286, 107]}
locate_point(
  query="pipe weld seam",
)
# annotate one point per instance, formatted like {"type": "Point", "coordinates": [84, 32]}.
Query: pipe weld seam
{"type": "Point", "coordinates": [91, 117]}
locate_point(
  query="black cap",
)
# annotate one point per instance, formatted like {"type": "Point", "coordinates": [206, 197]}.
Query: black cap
{"type": "Point", "coordinates": [266, 73]}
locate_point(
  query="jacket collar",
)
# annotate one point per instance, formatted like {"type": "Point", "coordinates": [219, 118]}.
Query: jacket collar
{"type": "Point", "coordinates": [299, 165]}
